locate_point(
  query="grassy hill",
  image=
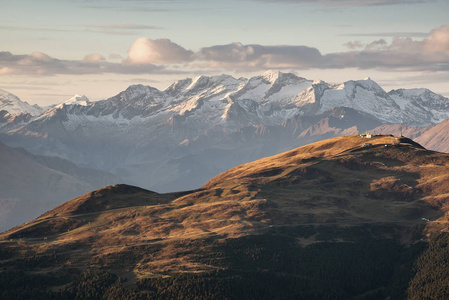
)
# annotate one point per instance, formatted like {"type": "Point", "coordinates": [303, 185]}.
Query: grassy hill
{"type": "Point", "coordinates": [345, 218]}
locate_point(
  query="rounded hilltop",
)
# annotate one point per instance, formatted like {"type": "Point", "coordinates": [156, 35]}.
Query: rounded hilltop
{"type": "Point", "coordinates": [370, 200]}
{"type": "Point", "coordinates": [107, 198]}
{"type": "Point", "coordinates": [330, 147]}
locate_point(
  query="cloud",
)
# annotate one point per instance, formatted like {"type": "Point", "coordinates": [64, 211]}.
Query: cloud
{"type": "Point", "coordinates": [6, 71]}
{"type": "Point", "coordinates": [127, 8]}
{"type": "Point", "coordinates": [389, 34]}
{"type": "Point", "coordinates": [239, 56]}
{"type": "Point", "coordinates": [162, 56]}
{"type": "Point", "coordinates": [369, 2]}
{"type": "Point", "coordinates": [122, 26]}
{"type": "Point", "coordinates": [322, 2]}
{"type": "Point", "coordinates": [39, 63]}
{"type": "Point", "coordinates": [115, 56]}
{"type": "Point", "coordinates": [377, 45]}
{"type": "Point", "coordinates": [93, 57]}
{"type": "Point", "coordinates": [438, 40]}
{"type": "Point", "coordinates": [429, 54]}
{"type": "Point", "coordinates": [354, 45]}
{"type": "Point", "coordinates": [147, 51]}
{"type": "Point", "coordinates": [117, 28]}
{"type": "Point", "coordinates": [40, 29]}
{"type": "Point", "coordinates": [348, 3]}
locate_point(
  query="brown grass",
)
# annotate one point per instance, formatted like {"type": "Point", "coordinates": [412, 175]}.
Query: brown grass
{"type": "Point", "coordinates": [336, 182]}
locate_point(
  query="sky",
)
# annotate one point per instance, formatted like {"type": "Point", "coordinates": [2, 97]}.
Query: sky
{"type": "Point", "coordinates": [53, 49]}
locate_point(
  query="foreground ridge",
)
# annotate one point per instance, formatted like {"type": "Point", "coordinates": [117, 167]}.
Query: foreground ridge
{"type": "Point", "coordinates": [284, 226]}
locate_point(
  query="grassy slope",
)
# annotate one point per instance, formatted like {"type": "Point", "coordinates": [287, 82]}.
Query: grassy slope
{"type": "Point", "coordinates": [334, 190]}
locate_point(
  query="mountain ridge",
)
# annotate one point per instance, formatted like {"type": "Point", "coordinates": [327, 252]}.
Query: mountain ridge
{"type": "Point", "coordinates": [274, 82]}
{"type": "Point", "coordinates": [148, 136]}
{"type": "Point", "coordinates": [12, 104]}
{"type": "Point", "coordinates": [286, 221]}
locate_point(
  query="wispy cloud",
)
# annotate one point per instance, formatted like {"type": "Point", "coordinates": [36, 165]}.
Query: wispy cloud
{"type": "Point", "coordinates": [348, 3]}
{"type": "Point", "coordinates": [325, 2]}
{"type": "Point", "coordinates": [41, 29]}
{"type": "Point", "coordinates": [118, 28]}
{"type": "Point", "coordinates": [388, 34]}
{"type": "Point", "coordinates": [122, 26]}
{"type": "Point", "coordinates": [149, 9]}
{"type": "Point", "coordinates": [110, 28]}
{"type": "Point", "coordinates": [136, 6]}
{"type": "Point", "coordinates": [98, 7]}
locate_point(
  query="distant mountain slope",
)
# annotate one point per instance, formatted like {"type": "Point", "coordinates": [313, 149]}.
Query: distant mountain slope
{"type": "Point", "coordinates": [178, 138]}
{"type": "Point", "coordinates": [344, 218]}
{"type": "Point", "coordinates": [30, 185]}
{"type": "Point", "coordinates": [436, 137]}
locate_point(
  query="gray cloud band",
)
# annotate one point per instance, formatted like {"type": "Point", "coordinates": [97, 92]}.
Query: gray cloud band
{"type": "Point", "coordinates": [147, 56]}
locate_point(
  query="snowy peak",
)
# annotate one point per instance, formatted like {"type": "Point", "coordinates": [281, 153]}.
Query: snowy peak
{"type": "Point", "coordinates": [12, 104]}
{"type": "Point", "coordinates": [423, 97]}
{"type": "Point", "coordinates": [202, 85]}
{"type": "Point", "coordinates": [198, 82]}
{"type": "Point", "coordinates": [352, 87]}
{"type": "Point", "coordinates": [78, 100]}
{"type": "Point", "coordinates": [178, 87]}
{"type": "Point", "coordinates": [312, 94]}
{"type": "Point", "coordinates": [269, 98]}
{"type": "Point", "coordinates": [140, 95]}
{"type": "Point", "coordinates": [139, 89]}
{"type": "Point", "coordinates": [428, 106]}
{"type": "Point", "coordinates": [204, 82]}
{"type": "Point", "coordinates": [362, 95]}
{"type": "Point", "coordinates": [276, 77]}
{"type": "Point", "coordinates": [370, 85]}
{"type": "Point", "coordinates": [271, 76]}
{"type": "Point", "coordinates": [273, 87]}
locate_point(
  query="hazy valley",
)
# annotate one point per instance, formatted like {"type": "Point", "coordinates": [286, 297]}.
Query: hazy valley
{"type": "Point", "coordinates": [342, 217]}
{"type": "Point", "coordinates": [241, 149]}
{"type": "Point", "coordinates": [348, 217]}
{"type": "Point", "coordinates": [178, 138]}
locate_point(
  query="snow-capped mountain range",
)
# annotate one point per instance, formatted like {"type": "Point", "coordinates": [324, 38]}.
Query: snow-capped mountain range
{"type": "Point", "coordinates": [13, 105]}
{"type": "Point", "coordinates": [198, 127]}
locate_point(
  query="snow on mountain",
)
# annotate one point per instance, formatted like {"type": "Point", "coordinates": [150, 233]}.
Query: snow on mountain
{"type": "Point", "coordinates": [203, 102]}
{"type": "Point", "coordinates": [79, 100]}
{"type": "Point", "coordinates": [423, 103]}
{"type": "Point", "coordinates": [200, 126]}
{"type": "Point", "coordinates": [273, 87]}
{"type": "Point", "coordinates": [362, 95]}
{"type": "Point", "coordinates": [10, 121]}
{"type": "Point", "coordinates": [414, 107]}
{"type": "Point", "coordinates": [14, 105]}
{"type": "Point", "coordinates": [192, 106]}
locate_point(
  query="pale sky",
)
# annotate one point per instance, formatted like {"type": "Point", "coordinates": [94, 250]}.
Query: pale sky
{"type": "Point", "coordinates": [53, 49]}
